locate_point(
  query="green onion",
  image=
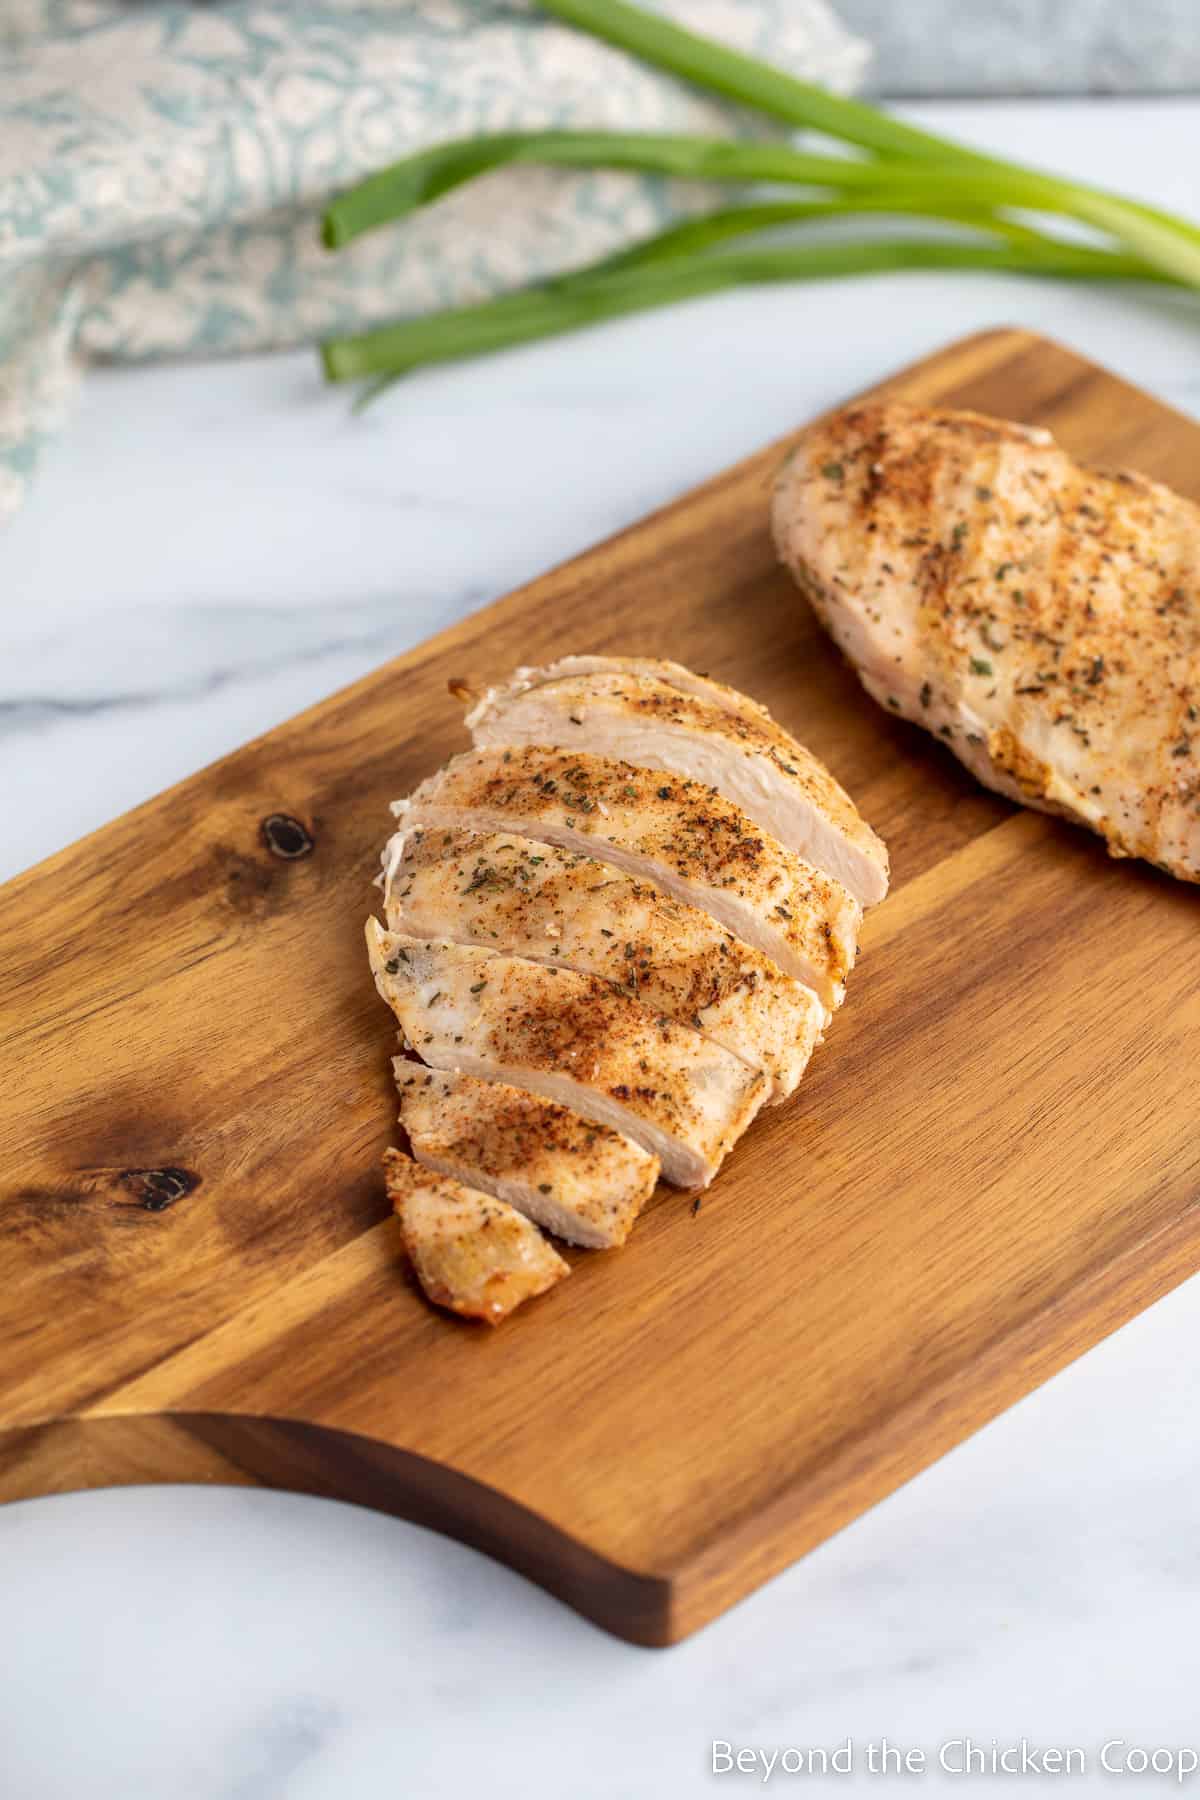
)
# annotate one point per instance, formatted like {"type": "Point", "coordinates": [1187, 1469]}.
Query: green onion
{"type": "Point", "coordinates": [392, 350]}
{"type": "Point", "coordinates": [420, 179]}
{"type": "Point", "coordinates": [738, 221]}
{"type": "Point", "coordinates": [905, 171]}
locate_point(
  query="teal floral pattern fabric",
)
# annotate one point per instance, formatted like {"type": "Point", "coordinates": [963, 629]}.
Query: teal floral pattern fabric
{"type": "Point", "coordinates": [162, 169]}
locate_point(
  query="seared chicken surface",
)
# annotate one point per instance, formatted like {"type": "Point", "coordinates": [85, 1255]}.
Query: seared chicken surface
{"type": "Point", "coordinates": [677, 834]}
{"type": "Point", "coordinates": [1041, 617]}
{"type": "Point", "coordinates": [553, 905]}
{"type": "Point", "coordinates": [472, 1253]}
{"type": "Point", "coordinates": [572, 1039]}
{"type": "Point", "coordinates": [635, 717]}
{"type": "Point", "coordinates": [580, 1180]}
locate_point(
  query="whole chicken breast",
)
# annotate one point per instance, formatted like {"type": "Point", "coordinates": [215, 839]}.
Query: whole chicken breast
{"type": "Point", "coordinates": [743, 754]}
{"type": "Point", "coordinates": [555, 906]}
{"type": "Point", "coordinates": [674, 833]}
{"type": "Point", "coordinates": [572, 1039]}
{"type": "Point", "coordinates": [580, 1180]}
{"type": "Point", "coordinates": [1040, 616]}
{"type": "Point", "coordinates": [471, 1253]}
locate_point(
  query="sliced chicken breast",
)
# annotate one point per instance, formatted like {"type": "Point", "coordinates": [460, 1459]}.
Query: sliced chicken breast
{"type": "Point", "coordinates": [572, 1039]}
{"type": "Point", "coordinates": [472, 1253]}
{"type": "Point", "coordinates": [1042, 617]}
{"type": "Point", "coordinates": [674, 833]}
{"type": "Point", "coordinates": [743, 755]}
{"type": "Point", "coordinates": [556, 906]}
{"type": "Point", "coordinates": [580, 1180]}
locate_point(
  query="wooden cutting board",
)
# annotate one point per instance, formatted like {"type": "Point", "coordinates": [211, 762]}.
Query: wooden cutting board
{"type": "Point", "coordinates": [992, 1163]}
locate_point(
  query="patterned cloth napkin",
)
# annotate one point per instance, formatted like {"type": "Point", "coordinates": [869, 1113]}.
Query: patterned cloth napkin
{"type": "Point", "coordinates": [162, 168]}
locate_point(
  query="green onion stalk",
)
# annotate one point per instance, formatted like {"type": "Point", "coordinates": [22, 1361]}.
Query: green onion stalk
{"type": "Point", "coordinates": [394, 350]}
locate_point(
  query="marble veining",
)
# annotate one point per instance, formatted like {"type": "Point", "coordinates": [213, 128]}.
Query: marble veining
{"type": "Point", "coordinates": [212, 547]}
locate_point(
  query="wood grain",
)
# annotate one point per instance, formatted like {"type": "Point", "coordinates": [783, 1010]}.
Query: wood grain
{"type": "Point", "coordinates": [992, 1163]}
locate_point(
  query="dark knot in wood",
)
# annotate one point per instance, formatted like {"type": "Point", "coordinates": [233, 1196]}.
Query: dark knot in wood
{"type": "Point", "coordinates": [286, 837]}
{"type": "Point", "coordinates": [156, 1189]}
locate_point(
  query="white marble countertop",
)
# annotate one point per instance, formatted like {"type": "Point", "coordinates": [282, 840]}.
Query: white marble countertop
{"type": "Point", "coordinates": [212, 548]}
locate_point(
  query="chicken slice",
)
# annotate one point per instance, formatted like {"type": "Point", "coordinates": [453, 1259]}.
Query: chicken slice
{"type": "Point", "coordinates": [472, 1253]}
{"type": "Point", "coordinates": [579, 1180]}
{"type": "Point", "coordinates": [675, 833]}
{"type": "Point", "coordinates": [572, 1039]}
{"type": "Point", "coordinates": [556, 906]}
{"type": "Point", "coordinates": [673, 674]}
{"type": "Point", "coordinates": [744, 755]}
{"type": "Point", "coordinates": [1040, 616]}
